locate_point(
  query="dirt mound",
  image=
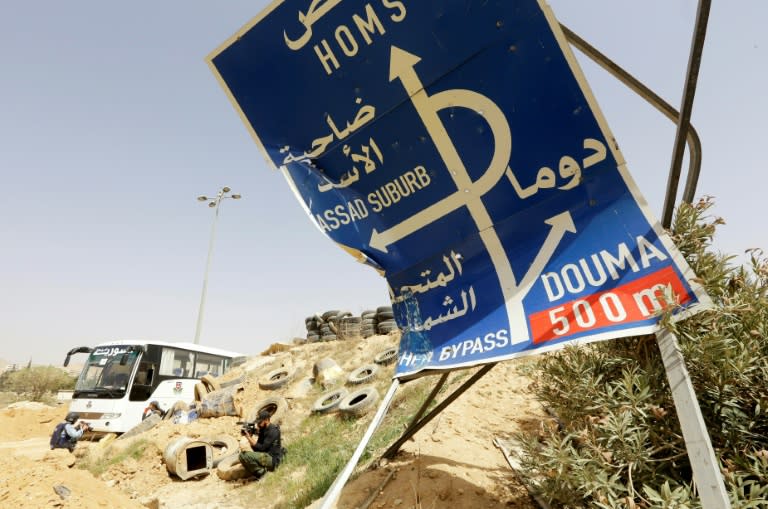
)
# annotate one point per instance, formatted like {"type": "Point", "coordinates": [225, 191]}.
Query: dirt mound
{"type": "Point", "coordinates": [52, 483]}
{"type": "Point", "coordinates": [28, 419]}
{"type": "Point", "coordinates": [452, 460]}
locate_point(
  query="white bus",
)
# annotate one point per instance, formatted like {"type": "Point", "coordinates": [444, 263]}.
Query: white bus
{"type": "Point", "coordinates": [120, 378]}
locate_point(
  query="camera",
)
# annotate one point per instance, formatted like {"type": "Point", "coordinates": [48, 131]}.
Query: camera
{"type": "Point", "coordinates": [248, 427]}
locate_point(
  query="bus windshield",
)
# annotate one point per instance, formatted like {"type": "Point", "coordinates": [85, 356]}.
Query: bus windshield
{"type": "Point", "coordinates": [107, 370]}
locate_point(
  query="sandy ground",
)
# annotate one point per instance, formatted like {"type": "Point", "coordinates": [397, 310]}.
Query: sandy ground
{"type": "Point", "coordinates": [452, 461]}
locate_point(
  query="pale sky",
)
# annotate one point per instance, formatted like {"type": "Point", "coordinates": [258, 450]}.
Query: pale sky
{"type": "Point", "coordinates": [111, 124]}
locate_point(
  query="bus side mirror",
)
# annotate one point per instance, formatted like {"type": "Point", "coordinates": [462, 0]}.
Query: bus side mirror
{"type": "Point", "coordinates": [78, 349]}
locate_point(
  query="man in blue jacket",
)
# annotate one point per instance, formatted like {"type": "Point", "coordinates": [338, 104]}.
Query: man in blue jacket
{"type": "Point", "coordinates": [66, 434]}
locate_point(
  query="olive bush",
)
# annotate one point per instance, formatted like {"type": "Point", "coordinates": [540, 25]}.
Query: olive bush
{"type": "Point", "coordinates": [616, 440]}
{"type": "Point", "coordinates": [36, 382]}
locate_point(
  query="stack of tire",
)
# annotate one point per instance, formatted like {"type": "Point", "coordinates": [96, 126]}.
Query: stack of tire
{"type": "Point", "coordinates": [350, 327]}
{"type": "Point", "coordinates": [385, 320]}
{"type": "Point", "coordinates": [328, 325]}
{"type": "Point", "coordinates": [313, 328]}
{"type": "Point", "coordinates": [332, 325]}
{"type": "Point", "coordinates": [368, 322]}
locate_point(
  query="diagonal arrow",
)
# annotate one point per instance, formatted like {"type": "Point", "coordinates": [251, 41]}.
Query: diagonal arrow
{"type": "Point", "coordinates": [561, 223]}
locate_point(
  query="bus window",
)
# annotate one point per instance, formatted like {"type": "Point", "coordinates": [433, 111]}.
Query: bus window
{"type": "Point", "coordinates": [145, 373]}
{"type": "Point", "coordinates": [142, 383]}
{"type": "Point", "coordinates": [175, 362]}
{"type": "Point", "coordinates": [209, 364]}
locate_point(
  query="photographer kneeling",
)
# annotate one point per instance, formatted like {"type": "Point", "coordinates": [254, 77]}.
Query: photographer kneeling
{"type": "Point", "coordinates": [267, 451]}
{"type": "Point", "coordinates": [67, 433]}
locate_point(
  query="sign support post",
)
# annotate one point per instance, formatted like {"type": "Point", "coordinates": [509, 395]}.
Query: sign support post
{"type": "Point", "coordinates": [706, 471]}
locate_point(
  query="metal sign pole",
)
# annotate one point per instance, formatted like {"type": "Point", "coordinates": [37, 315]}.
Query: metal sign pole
{"type": "Point", "coordinates": [335, 490]}
{"type": "Point", "coordinates": [416, 426]}
{"type": "Point", "coordinates": [694, 62]}
{"type": "Point", "coordinates": [692, 137]}
{"type": "Point", "coordinates": [706, 471]}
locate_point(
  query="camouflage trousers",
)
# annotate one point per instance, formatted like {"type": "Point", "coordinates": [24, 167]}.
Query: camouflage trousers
{"type": "Point", "coordinates": [256, 463]}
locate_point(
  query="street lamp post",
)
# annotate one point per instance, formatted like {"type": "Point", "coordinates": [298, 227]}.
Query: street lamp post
{"type": "Point", "coordinates": [213, 203]}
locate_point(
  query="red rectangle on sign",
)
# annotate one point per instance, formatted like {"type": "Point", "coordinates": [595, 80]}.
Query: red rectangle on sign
{"type": "Point", "coordinates": [632, 302]}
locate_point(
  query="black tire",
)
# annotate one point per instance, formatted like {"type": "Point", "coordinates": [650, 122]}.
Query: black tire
{"type": "Point", "coordinates": [276, 406]}
{"type": "Point", "coordinates": [369, 321]}
{"type": "Point", "coordinates": [210, 383]}
{"type": "Point", "coordinates": [385, 315]}
{"type": "Point", "coordinates": [222, 446]}
{"type": "Point", "coordinates": [368, 313]}
{"type": "Point", "coordinates": [329, 401]}
{"type": "Point", "coordinates": [330, 314]}
{"type": "Point", "coordinates": [201, 391]}
{"type": "Point", "coordinates": [313, 338]}
{"type": "Point", "coordinates": [359, 402]}
{"type": "Point", "coordinates": [230, 468]}
{"type": "Point", "coordinates": [180, 405]}
{"type": "Point", "coordinates": [276, 379]}
{"type": "Point", "coordinates": [386, 357]}
{"type": "Point", "coordinates": [351, 319]}
{"type": "Point", "coordinates": [363, 374]}
{"type": "Point", "coordinates": [386, 326]}
{"type": "Point", "coordinates": [329, 337]}
{"type": "Point", "coordinates": [384, 309]}
{"type": "Point", "coordinates": [232, 382]}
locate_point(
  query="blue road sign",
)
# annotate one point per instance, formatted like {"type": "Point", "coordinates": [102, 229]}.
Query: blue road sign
{"type": "Point", "coordinates": [456, 146]}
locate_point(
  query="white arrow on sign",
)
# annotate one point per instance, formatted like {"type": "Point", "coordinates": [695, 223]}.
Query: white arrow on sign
{"type": "Point", "coordinates": [469, 193]}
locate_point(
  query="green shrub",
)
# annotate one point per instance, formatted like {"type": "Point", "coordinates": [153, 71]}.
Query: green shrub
{"type": "Point", "coordinates": [617, 440]}
{"type": "Point", "coordinates": [36, 382]}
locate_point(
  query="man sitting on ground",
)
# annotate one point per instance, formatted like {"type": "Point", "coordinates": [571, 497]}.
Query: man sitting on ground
{"type": "Point", "coordinates": [267, 451]}
{"type": "Point", "coordinates": [153, 408]}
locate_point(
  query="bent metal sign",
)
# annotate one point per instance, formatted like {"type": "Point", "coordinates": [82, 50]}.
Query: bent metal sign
{"type": "Point", "coordinates": [456, 148]}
